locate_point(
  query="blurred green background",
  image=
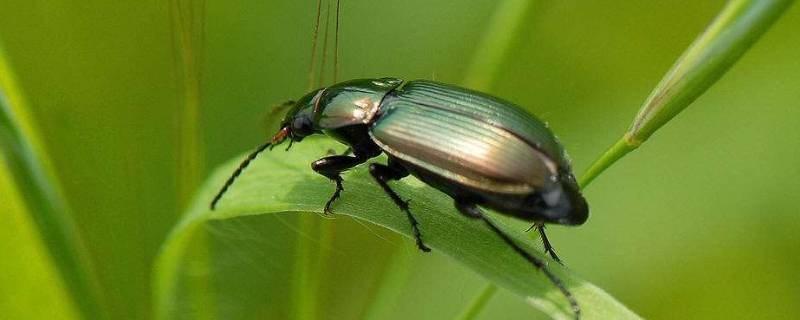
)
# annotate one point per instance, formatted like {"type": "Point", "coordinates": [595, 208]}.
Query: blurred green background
{"type": "Point", "coordinates": [701, 222]}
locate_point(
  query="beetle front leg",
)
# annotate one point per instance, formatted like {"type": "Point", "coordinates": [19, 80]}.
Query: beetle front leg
{"type": "Point", "coordinates": [471, 210]}
{"type": "Point", "coordinates": [384, 174]}
{"type": "Point", "coordinates": [332, 167]}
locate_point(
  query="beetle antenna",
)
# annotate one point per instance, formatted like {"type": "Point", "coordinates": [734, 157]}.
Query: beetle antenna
{"type": "Point", "coordinates": [539, 264]}
{"type": "Point", "coordinates": [314, 47]}
{"type": "Point", "coordinates": [336, 45]}
{"type": "Point", "coordinates": [238, 172]}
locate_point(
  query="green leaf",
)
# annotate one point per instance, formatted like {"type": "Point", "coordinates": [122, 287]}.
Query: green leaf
{"type": "Point", "coordinates": [724, 41]}
{"type": "Point", "coordinates": [29, 275]}
{"type": "Point", "coordinates": [36, 182]}
{"type": "Point", "coordinates": [279, 182]}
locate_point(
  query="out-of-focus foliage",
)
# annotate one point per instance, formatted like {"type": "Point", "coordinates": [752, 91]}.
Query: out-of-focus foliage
{"type": "Point", "coordinates": [700, 222]}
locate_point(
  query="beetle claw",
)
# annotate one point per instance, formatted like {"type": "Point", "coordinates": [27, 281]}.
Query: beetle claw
{"type": "Point", "coordinates": [422, 246]}
{"type": "Point", "coordinates": [405, 204]}
{"type": "Point", "coordinates": [328, 204]}
{"type": "Point", "coordinates": [339, 189]}
{"type": "Point", "coordinates": [327, 211]}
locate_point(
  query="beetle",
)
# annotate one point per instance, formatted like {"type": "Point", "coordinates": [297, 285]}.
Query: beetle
{"type": "Point", "coordinates": [480, 150]}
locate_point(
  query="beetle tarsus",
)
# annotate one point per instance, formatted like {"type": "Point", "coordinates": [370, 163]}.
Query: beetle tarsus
{"type": "Point", "coordinates": [339, 189]}
{"type": "Point", "coordinates": [383, 174]}
{"type": "Point", "coordinates": [547, 246]}
{"type": "Point", "coordinates": [472, 211]}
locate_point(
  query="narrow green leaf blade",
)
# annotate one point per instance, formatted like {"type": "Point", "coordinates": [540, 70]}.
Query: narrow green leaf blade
{"type": "Point", "coordinates": [29, 276]}
{"type": "Point", "coordinates": [26, 160]}
{"type": "Point", "coordinates": [282, 182]}
{"type": "Point", "coordinates": [725, 40]}
{"type": "Point", "coordinates": [728, 37]}
{"type": "Point", "coordinates": [495, 43]}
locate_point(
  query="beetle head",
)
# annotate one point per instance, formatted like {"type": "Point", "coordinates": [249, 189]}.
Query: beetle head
{"type": "Point", "coordinates": [299, 120]}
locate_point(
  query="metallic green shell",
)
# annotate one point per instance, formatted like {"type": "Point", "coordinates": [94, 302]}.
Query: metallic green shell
{"type": "Point", "coordinates": [352, 102]}
{"type": "Point", "coordinates": [469, 137]}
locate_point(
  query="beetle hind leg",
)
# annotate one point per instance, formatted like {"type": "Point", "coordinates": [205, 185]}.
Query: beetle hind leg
{"type": "Point", "coordinates": [383, 174]}
{"type": "Point", "coordinates": [471, 210]}
{"type": "Point", "coordinates": [546, 242]}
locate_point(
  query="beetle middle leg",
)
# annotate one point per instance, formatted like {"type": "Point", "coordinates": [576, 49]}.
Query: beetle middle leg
{"type": "Point", "coordinates": [546, 242]}
{"type": "Point", "coordinates": [471, 210]}
{"type": "Point", "coordinates": [332, 167]}
{"type": "Point", "coordinates": [384, 174]}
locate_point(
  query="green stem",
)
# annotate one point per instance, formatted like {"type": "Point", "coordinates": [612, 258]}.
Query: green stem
{"type": "Point", "coordinates": [304, 286]}
{"type": "Point", "coordinates": [393, 279]}
{"type": "Point", "coordinates": [186, 17]}
{"type": "Point", "coordinates": [187, 24]}
{"type": "Point", "coordinates": [478, 303]}
{"type": "Point", "coordinates": [28, 163]}
{"type": "Point", "coordinates": [495, 43]}
{"type": "Point", "coordinates": [617, 151]}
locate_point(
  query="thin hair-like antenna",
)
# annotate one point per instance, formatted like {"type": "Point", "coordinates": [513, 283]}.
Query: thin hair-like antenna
{"type": "Point", "coordinates": [336, 45]}
{"type": "Point", "coordinates": [325, 44]}
{"type": "Point", "coordinates": [238, 172]}
{"type": "Point", "coordinates": [314, 47]}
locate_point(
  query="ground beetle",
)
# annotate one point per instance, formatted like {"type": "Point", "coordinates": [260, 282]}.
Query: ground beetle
{"type": "Point", "coordinates": [478, 149]}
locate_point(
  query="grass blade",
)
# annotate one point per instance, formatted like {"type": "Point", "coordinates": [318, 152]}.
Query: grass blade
{"type": "Point", "coordinates": [495, 43]}
{"type": "Point", "coordinates": [279, 182]}
{"type": "Point", "coordinates": [478, 303]}
{"type": "Point", "coordinates": [187, 23]}
{"type": "Point", "coordinates": [725, 40]}
{"type": "Point", "coordinates": [28, 164]}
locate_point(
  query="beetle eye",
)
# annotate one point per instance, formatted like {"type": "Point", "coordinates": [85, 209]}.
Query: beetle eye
{"type": "Point", "coordinates": [301, 126]}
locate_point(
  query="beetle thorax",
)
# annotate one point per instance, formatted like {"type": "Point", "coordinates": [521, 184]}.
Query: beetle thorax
{"type": "Point", "coordinates": [348, 108]}
{"type": "Point", "coordinates": [353, 102]}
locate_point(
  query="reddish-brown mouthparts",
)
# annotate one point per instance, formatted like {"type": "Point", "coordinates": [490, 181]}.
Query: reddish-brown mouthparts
{"type": "Point", "coordinates": [280, 136]}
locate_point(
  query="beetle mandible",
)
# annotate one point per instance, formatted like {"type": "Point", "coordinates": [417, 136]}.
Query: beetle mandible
{"type": "Point", "coordinates": [480, 150]}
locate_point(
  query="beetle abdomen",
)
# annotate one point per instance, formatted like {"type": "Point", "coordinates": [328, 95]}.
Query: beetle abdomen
{"type": "Point", "coordinates": [430, 126]}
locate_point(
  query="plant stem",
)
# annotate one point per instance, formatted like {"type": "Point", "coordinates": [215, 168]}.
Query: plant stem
{"type": "Point", "coordinates": [394, 278]}
{"type": "Point", "coordinates": [478, 303]}
{"type": "Point", "coordinates": [495, 43]}
{"type": "Point", "coordinates": [187, 18]}
{"type": "Point", "coordinates": [304, 284]}
{"type": "Point", "coordinates": [614, 153]}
